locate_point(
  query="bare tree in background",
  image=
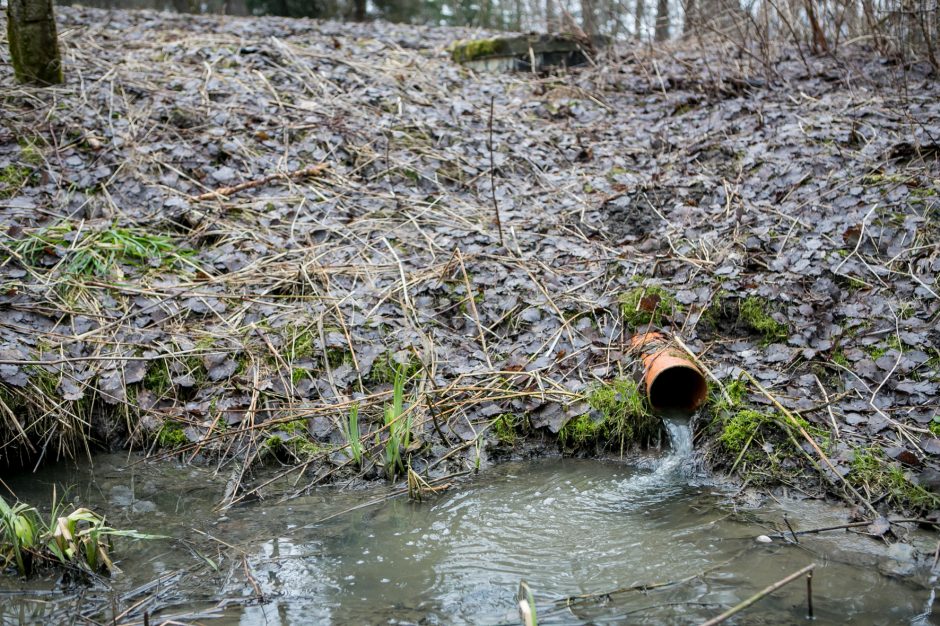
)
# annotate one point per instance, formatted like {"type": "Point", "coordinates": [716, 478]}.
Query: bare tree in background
{"type": "Point", "coordinates": [34, 44]}
{"type": "Point", "coordinates": [359, 10]}
{"type": "Point", "coordinates": [819, 38]}
{"type": "Point", "coordinates": [638, 17]}
{"type": "Point", "coordinates": [551, 22]}
{"type": "Point", "coordinates": [588, 19]}
{"type": "Point", "coordinates": [662, 20]}
{"type": "Point", "coordinates": [716, 16]}
{"type": "Point", "coordinates": [688, 23]}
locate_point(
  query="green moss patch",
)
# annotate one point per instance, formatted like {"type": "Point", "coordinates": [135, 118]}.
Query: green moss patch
{"type": "Point", "coordinates": [620, 416]}
{"type": "Point", "coordinates": [291, 442]}
{"type": "Point", "coordinates": [386, 369]}
{"type": "Point", "coordinates": [935, 426]}
{"type": "Point", "coordinates": [300, 341]}
{"type": "Point", "coordinates": [470, 50]}
{"type": "Point", "coordinates": [12, 178]}
{"type": "Point", "coordinates": [158, 379]}
{"type": "Point", "coordinates": [740, 429]}
{"type": "Point", "coordinates": [882, 478]}
{"type": "Point", "coordinates": [506, 426]}
{"type": "Point", "coordinates": [759, 443]}
{"type": "Point", "coordinates": [171, 435]}
{"type": "Point", "coordinates": [647, 305]}
{"type": "Point", "coordinates": [755, 313]}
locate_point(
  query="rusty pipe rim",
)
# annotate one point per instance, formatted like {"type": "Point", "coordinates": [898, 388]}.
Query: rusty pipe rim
{"type": "Point", "coordinates": [671, 379]}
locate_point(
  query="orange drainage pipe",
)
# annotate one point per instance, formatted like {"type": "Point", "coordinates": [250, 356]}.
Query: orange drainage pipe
{"type": "Point", "coordinates": [672, 380]}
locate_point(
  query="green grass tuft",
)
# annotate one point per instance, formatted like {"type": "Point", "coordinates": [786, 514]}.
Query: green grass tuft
{"type": "Point", "coordinates": [352, 435]}
{"type": "Point", "coordinates": [76, 539]}
{"type": "Point", "coordinates": [398, 427]}
{"type": "Point", "coordinates": [98, 253]}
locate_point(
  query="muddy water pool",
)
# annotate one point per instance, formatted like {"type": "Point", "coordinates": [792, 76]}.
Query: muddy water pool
{"type": "Point", "coordinates": [567, 527]}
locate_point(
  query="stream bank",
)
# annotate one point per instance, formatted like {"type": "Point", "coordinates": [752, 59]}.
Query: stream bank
{"type": "Point", "coordinates": [223, 234]}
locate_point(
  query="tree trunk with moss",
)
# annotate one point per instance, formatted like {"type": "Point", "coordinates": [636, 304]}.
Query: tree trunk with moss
{"type": "Point", "coordinates": [34, 46]}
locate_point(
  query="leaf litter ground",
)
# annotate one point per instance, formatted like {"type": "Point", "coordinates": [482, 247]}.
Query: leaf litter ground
{"type": "Point", "coordinates": [781, 218]}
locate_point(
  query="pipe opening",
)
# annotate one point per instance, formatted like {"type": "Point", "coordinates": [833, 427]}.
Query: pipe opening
{"type": "Point", "coordinates": [678, 388]}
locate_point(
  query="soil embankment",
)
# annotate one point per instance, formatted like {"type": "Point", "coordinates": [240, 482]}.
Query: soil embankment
{"type": "Point", "coordinates": [780, 217]}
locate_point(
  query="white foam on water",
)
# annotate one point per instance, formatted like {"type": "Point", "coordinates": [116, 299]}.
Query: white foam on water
{"type": "Point", "coordinates": [680, 442]}
{"type": "Point", "coordinates": [662, 476]}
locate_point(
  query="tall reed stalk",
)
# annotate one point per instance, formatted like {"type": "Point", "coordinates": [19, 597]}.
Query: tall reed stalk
{"type": "Point", "coordinates": [398, 425]}
{"type": "Point", "coordinates": [351, 431]}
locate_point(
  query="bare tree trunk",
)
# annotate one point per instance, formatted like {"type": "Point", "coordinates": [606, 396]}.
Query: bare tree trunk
{"type": "Point", "coordinates": [638, 18]}
{"type": "Point", "coordinates": [550, 22]}
{"type": "Point", "coordinates": [359, 10]}
{"type": "Point", "coordinates": [588, 21]}
{"type": "Point", "coordinates": [607, 18]}
{"type": "Point", "coordinates": [662, 20]}
{"type": "Point", "coordinates": [34, 45]}
{"type": "Point", "coordinates": [868, 8]}
{"type": "Point", "coordinates": [236, 7]}
{"type": "Point", "coordinates": [185, 6]}
{"type": "Point", "coordinates": [819, 38]}
{"type": "Point", "coordinates": [715, 16]}
{"type": "Point", "coordinates": [688, 25]}
{"type": "Point", "coordinates": [484, 15]}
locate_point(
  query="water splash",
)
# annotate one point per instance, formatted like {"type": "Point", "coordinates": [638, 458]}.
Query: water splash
{"type": "Point", "coordinates": [680, 441]}
{"type": "Point", "coordinates": [680, 435]}
{"type": "Point", "coordinates": [661, 476]}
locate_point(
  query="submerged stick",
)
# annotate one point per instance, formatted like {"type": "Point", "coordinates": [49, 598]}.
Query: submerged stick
{"type": "Point", "coordinates": [766, 591]}
{"type": "Point", "coordinates": [436, 484]}
{"type": "Point", "coordinates": [809, 595]}
{"type": "Point", "coordinates": [644, 587]}
{"type": "Point", "coordinates": [813, 531]}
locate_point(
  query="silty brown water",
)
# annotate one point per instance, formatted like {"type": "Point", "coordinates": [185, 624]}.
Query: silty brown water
{"type": "Point", "coordinates": [568, 527]}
